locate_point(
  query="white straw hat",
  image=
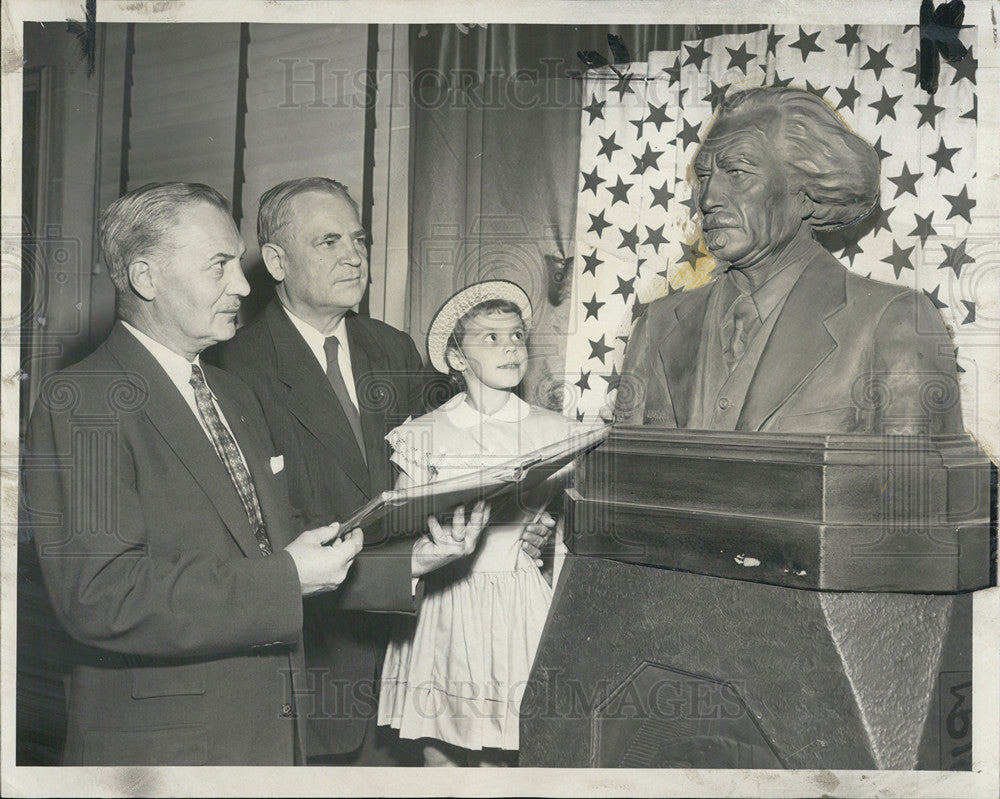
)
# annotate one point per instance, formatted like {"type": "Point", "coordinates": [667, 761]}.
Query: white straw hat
{"type": "Point", "coordinates": [460, 304]}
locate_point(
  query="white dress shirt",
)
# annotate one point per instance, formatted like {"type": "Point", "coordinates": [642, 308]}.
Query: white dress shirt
{"type": "Point", "coordinates": [178, 369]}
{"type": "Point", "coordinates": [316, 342]}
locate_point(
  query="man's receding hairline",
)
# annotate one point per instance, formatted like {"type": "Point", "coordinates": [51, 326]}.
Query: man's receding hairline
{"type": "Point", "coordinates": [285, 217]}
{"type": "Point", "coordinates": [179, 218]}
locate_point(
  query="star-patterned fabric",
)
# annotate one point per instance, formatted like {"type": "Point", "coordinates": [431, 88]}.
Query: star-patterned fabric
{"type": "Point", "coordinates": [637, 234]}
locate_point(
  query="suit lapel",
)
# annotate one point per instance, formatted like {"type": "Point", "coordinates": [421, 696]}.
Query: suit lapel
{"type": "Point", "coordinates": [799, 342]}
{"type": "Point", "coordinates": [311, 399]}
{"type": "Point", "coordinates": [375, 392]}
{"type": "Point", "coordinates": [679, 354]}
{"type": "Point", "coordinates": [172, 417]}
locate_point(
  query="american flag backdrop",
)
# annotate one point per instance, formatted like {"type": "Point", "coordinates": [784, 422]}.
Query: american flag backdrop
{"type": "Point", "coordinates": [637, 236]}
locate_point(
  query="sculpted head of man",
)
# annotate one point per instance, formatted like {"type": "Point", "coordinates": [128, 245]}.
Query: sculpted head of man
{"type": "Point", "coordinates": [173, 254]}
{"type": "Point", "coordinates": [777, 164]}
{"type": "Point", "coordinates": [313, 244]}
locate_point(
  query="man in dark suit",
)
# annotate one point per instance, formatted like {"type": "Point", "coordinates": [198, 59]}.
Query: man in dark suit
{"type": "Point", "coordinates": [786, 338]}
{"type": "Point", "coordinates": [332, 383]}
{"type": "Point", "coordinates": [160, 513]}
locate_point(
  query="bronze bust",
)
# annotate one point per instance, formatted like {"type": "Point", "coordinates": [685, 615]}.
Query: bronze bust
{"type": "Point", "coordinates": [787, 339]}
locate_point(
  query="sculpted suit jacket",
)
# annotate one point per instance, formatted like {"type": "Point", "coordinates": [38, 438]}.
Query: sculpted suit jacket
{"type": "Point", "coordinates": [185, 635]}
{"type": "Point", "coordinates": [847, 354]}
{"type": "Point", "coordinates": [328, 479]}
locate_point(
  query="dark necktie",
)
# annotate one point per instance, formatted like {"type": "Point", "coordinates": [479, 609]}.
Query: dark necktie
{"type": "Point", "coordinates": [333, 374]}
{"type": "Point", "coordinates": [740, 324]}
{"type": "Point", "coordinates": [229, 453]}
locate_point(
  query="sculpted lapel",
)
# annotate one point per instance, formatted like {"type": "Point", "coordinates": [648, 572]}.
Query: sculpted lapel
{"type": "Point", "coordinates": [679, 354]}
{"type": "Point", "coordinates": [800, 342]}
{"type": "Point", "coordinates": [311, 400]}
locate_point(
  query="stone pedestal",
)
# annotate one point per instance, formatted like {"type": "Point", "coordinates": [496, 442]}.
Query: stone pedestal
{"type": "Point", "coordinates": [756, 601]}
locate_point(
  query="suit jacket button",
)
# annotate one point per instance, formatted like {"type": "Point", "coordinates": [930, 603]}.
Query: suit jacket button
{"type": "Point", "coordinates": [286, 710]}
{"type": "Point", "coordinates": [723, 402]}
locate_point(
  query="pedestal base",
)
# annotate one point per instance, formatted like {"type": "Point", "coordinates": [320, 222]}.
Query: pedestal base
{"type": "Point", "coordinates": [647, 667]}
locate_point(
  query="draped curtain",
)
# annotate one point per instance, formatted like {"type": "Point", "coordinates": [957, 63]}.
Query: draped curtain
{"type": "Point", "coordinates": [495, 147]}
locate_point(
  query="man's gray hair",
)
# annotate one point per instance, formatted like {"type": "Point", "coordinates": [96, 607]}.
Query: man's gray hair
{"type": "Point", "coordinates": [274, 201]}
{"type": "Point", "coordinates": [134, 225]}
{"type": "Point", "coordinates": [837, 169]}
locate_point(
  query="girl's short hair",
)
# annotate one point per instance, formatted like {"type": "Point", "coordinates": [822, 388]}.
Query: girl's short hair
{"type": "Point", "coordinates": [458, 331]}
{"type": "Point", "coordinates": [448, 325]}
{"type": "Point", "coordinates": [483, 308]}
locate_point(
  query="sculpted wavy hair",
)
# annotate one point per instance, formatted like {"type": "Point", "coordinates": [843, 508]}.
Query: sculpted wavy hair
{"type": "Point", "coordinates": [837, 170]}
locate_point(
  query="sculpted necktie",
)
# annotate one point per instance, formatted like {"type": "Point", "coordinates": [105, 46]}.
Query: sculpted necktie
{"type": "Point", "coordinates": [743, 318]}
{"type": "Point", "coordinates": [225, 446]}
{"type": "Point", "coordinates": [333, 374]}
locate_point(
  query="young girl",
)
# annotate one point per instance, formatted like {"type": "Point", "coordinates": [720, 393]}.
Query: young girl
{"type": "Point", "coordinates": [456, 677]}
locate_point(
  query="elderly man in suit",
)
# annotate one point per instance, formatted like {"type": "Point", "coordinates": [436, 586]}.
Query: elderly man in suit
{"type": "Point", "coordinates": [332, 383]}
{"type": "Point", "coordinates": [786, 338]}
{"type": "Point", "coordinates": [160, 512]}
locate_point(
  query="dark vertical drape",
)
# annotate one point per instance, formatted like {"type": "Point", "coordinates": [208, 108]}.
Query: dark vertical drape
{"type": "Point", "coordinates": [239, 132]}
{"type": "Point", "coordinates": [126, 108]}
{"type": "Point", "coordinates": [495, 132]}
{"type": "Point", "coordinates": [368, 156]}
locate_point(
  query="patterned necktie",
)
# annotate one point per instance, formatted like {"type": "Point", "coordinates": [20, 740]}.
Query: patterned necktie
{"type": "Point", "coordinates": [336, 378]}
{"type": "Point", "coordinates": [740, 323]}
{"type": "Point", "coordinates": [228, 452]}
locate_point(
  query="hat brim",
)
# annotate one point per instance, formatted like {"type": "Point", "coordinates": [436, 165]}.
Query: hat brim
{"type": "Point", "coordinates": [463, 301]}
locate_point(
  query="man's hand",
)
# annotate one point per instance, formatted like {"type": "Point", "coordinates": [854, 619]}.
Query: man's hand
{"type": "Point", "coordinates": [441, 546]}
{"type": "Point", "coordinates": [323, 568]}
{"type": "Point", "coordinates": [536, 535]}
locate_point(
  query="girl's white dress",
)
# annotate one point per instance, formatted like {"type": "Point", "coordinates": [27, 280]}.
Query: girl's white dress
{"type": "Point", "coordinates": [457, 672]}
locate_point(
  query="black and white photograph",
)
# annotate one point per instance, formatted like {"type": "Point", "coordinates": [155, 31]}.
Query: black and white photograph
{"type": "Point", "coordinates": [604, 392]}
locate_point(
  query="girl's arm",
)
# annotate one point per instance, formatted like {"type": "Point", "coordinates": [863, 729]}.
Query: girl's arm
{"type": "Point", "coordinates": [440, 545]}
{"type": "Point", "coordinates": [404, 480]}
